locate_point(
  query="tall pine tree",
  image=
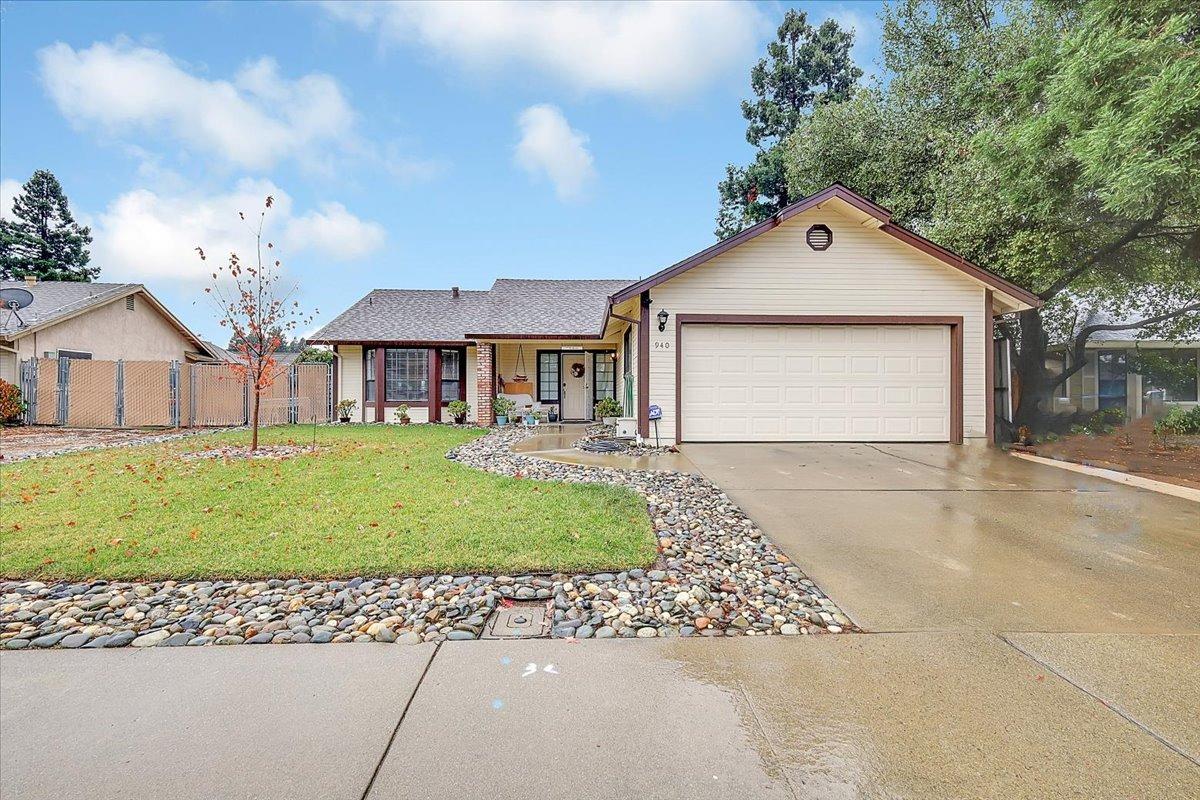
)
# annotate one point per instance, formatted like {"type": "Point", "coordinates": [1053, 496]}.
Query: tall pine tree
{"type": "Point", "coordinates": [804, 67]}
{"type": "Point", "coordinates": [41, 238]}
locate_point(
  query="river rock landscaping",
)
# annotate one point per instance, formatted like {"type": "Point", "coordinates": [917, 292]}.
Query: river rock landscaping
{"type": "Point", "coordinates": [716, 575]}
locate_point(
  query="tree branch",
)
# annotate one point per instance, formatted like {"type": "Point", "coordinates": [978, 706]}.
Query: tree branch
{"type": "Point", "coordinates": [1116, 244]}
{"type": "Point", "coordinates": [1086, 332]}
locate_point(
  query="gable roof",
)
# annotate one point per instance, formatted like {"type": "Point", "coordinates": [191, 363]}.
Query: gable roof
{"type": "Point", "coordinates": [58, 301]}
{"type": "Point", "coordinates": [879, 216]}
{"type": "Point", "coordinates": [511, 308]}
{"type": "Point", "coordinates": [551, 308]}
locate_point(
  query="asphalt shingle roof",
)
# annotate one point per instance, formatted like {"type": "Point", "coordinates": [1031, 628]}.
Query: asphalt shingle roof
{"type": "Point", "coordinates": [525, 307]}
{"type": "Point", "coordinates": [55, 299]}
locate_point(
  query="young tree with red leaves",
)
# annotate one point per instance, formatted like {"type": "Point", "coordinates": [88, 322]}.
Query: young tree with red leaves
{"type": "Point", "coordinates": [258, 314]}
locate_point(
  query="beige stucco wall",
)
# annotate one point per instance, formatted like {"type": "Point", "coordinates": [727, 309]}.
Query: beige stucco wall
{"type": "Point", "coordinates": [9, 369]}
{"type": "Point", "coordinates": [865, 272]}
{"type": "Point", "coordinates": [112, 332]}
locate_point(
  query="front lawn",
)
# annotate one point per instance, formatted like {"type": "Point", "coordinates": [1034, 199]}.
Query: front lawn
{"type": "Point", "coordinates": [374, 500]}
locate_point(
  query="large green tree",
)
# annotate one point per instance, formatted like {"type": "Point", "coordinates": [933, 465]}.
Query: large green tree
{"type": "Point", "coordinates": [804, 67]}
{"type": "Point", "coordinates": [1056, 142]}
{"type": "Point", "coordinates": [41, 238]}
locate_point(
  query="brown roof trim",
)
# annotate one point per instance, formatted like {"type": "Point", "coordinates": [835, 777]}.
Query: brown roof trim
{"type": "Point", "coordinates": [862, 204]}
{"type": "Point", "coordinates": [953, 259]}
{"type": "Point", "coordinates": [535, 336]}
{"type": "Point", "coordinates": [395, 342]}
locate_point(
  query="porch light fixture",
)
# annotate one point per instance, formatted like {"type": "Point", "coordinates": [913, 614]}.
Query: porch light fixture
{"type": "Point", "coordinates": [662, 319]}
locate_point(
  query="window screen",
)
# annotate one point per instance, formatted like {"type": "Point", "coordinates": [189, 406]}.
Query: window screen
{"type": "Point", "coordinates": [548, 380]}
{"type": "Point", "coordinates": [406, 372]}
{"type": "Point", "coordinates": [604, 370]}
{"type": "Point", "coordinates": [452, 385]}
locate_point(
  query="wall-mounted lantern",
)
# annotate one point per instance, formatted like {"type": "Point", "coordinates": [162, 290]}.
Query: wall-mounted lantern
{"type": "Point", "coordinates": [662, 319]}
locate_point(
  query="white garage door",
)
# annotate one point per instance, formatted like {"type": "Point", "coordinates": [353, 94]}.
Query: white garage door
{"type": "Point", "coordinates": [829, 383]}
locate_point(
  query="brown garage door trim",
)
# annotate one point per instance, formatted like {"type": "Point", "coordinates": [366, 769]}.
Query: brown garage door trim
{"type": "Point", "coordinates": [956, 349]}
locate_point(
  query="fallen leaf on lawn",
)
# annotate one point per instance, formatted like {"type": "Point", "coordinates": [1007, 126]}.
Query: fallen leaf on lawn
{"type": "Point", "coordinates": [194, 534]}
{"type": "Point", "coordinates": [47, 562]}
{"type": "Point", "coordinates": [373, 524]}
{"type": "Point", "coordinates": [397, 505]}
{"type": "Point", "coordinates": [71, 524]}
{"type": "Point", "coordinates": [114, 542]}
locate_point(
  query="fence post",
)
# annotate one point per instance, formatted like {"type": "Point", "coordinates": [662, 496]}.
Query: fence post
{"type": "Point", "coordinates": [293, 394]}
{"type": "Point", "coordinates": [329, 392]}
{"type": "Point", "coordinates": [29, 371]}
{"type": "Point", "coordinates": [119, 415]}
{"type": "Point", "coordinates": [64, 390]}
{"type": "Point", "coordinates": [174, 398]}
{"type": "Point", "coordinates": [192, 395]}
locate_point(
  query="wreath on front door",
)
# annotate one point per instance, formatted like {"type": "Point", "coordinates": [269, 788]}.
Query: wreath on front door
{"type": "Point", "coordinates": [577, 370]}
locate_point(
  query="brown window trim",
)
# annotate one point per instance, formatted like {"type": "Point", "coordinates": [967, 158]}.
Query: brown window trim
{"type": "Point", "coordinates": [956, 349]}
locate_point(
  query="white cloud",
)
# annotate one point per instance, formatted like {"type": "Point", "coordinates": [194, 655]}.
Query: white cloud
{"type": "Point", "coordinates": [145, 235]}
{"type": "Point", "coordinates": [253, 121]}
{"type": "Point", "coordinates": [653, 49]}
{"type": "Point", "coordinates": [334, 232]}
{"type": "Point", "coordinates": [549, 146]}
{"type": "Point", "coordinates": [9, 189]}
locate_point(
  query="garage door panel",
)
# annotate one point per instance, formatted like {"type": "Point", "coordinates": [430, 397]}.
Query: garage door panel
{"type": "Point", "coordinates": [815, 382]}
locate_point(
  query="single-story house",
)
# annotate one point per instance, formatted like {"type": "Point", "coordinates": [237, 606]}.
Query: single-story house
{"type": "Point", "coordinates": [107, 321]}
{"type": "Point", "coordinates": [1135, 375]}
{"type": "Point", "coordinates": [826, 322]}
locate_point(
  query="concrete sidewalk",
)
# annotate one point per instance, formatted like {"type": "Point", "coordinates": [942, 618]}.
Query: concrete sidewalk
{"type": "Point", "coordinates": [888, 715]}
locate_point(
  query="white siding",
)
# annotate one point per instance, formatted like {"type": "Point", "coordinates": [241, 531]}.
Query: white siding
{"type": "Point", "coordinates": [865, 272]}
{"type": "Point", "coordinates": [472, 397]}
{"type": "Point", "coordinates": [350, 377]}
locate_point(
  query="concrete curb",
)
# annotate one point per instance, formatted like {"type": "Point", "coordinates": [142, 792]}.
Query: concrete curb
{"type": "Point", "coordinates": [1173, 489]}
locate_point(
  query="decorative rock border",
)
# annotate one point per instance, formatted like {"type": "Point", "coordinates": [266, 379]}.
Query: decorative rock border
{"type": "Point", "coordinates": [717, 575]}
{"type": "Point", "coordinates": [150, 439]}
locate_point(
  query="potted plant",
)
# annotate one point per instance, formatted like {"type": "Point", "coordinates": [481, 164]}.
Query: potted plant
{"type": "Point", "coordinates": [552, 414]}
{"type": "Point", "coordinates": [345, 408]}
{"type": "Point", "coordinates": [503, 407]}
{"type": "Point", "coordinates": [458, 409]}
{"type": "Point", "coordinates": [402, 414]}
{"type": "Point", "coordinates": [607, 410]}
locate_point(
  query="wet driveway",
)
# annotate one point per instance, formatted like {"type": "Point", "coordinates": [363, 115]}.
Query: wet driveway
{"type": "Point", "coordinates": [935, 537]}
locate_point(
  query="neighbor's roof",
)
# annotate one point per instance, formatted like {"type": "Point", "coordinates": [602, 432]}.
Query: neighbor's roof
{"type": "Point", "coordinates": [57, 301]}
{"type": "Point", "coordinates": [551, 308]}
{"type": "Point", "coordinates": [1098, 317]}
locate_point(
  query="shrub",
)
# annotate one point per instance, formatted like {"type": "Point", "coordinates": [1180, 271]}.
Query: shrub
{"type": "Point", "coordinates": [1103, 421]}
{"type": "Point", "coordinates": [503, 406]}
{"type": "Point", "coordinates": [458, 408]}
{"type": "Point", "coordinates": [346, 407]}
{"type": "Point", "coordinates": [608, 407]}
{"type": "Point", "coordinates": [1180, 422]}
{"type": "Point", "coordinates": [401, 411]}
{"type": "Point", "coordinates": [12, 406]}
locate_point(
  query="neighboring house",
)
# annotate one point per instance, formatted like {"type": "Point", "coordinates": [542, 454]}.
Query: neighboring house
{"type": "Point", "coordinates": [225, 354]}
{"type": "Point", "coordinates": [107, 321]}
{"type": "Point", "coordinates": [1170, 373]}
{"type": "Point", "coordinates": [827, 322]}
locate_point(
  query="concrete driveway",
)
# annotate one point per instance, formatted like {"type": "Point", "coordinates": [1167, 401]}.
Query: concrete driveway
{"type": "Point", "coordinates": [934, 537]}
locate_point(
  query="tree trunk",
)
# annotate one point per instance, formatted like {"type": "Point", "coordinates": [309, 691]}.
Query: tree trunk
{"type": "Point", "coordinates": [254, 421]}
{"type": "Point", "coordinates": [1037, 384]}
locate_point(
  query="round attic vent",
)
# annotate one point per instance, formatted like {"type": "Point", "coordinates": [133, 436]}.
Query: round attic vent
{"type": "Point", "coordinates": [819, 237]}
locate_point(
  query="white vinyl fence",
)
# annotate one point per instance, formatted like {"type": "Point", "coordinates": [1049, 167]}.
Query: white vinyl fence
{"type": "Point", "coordinates": [84, 393]}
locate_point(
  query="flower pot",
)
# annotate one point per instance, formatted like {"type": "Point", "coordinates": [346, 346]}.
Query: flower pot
{"type": "Point", "coordinates": [405, 420]}
{"type": "Point", "coordinates": [501, 420]}
{"type": "Point", "coordinates": [552, 416]}
{"type": "Point", "coordinates": [344, 420]}
{"type": "Point", "coordinates": [610, 421]}
{"type": "Point", "coordinates": [460, 419]}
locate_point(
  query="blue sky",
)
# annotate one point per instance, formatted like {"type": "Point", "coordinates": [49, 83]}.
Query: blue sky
{"type": "Point", "coordinates": [411, 146]}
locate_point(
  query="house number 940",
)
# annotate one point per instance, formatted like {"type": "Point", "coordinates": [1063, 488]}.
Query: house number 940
{"type": "Point", "coordinates": [662, 345]}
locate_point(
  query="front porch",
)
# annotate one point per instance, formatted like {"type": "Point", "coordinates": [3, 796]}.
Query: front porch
{"type": "Point", "coordinates": [559, 381]}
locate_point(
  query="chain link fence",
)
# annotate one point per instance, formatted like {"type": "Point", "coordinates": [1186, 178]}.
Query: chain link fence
{"type": "Point", "coordinates": [83, 393]}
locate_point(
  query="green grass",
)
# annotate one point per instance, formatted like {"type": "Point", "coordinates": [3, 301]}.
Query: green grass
{"type": "Point", "coordinates": [374, 500]}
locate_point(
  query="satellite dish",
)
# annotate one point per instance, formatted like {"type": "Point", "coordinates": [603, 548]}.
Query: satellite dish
{"type": "Point", "coordinates": [14, 299]}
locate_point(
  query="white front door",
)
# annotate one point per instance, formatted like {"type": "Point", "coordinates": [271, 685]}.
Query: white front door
{"type": "Point", "coordinates": [576, 385]}
{"type": "Point", "coordinates": [819, 383]}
